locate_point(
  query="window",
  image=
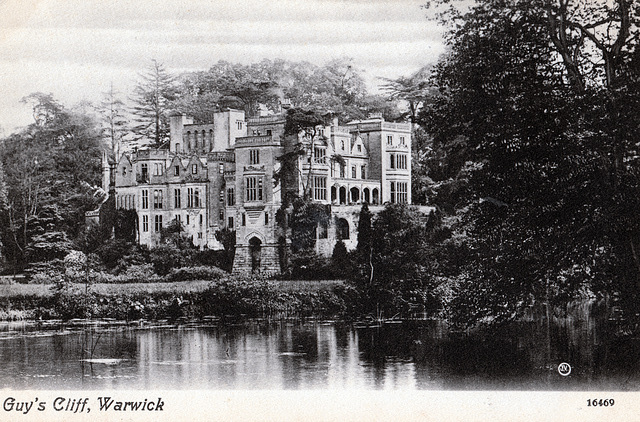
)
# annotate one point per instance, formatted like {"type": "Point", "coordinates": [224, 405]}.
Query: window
{"type": "Point", "coordinates": [268, 132]}
{"type": "Point", "coordinates": [359, 148]}
{"type": "Point", "coordinates": [231, 197]}
{"type": "Point", "coordinates": [389, 139]}
{"type": "Point", "coordinates": [124, 171]}
{"type": "Point", "coordinates": [363, 172]}
{"type": "Point", "coordinates": [176, 171]}
{"type": "Point", "coordinates": [254, 156]}
{"type": "Point", "coordinates": [319, 155]}
{"type": "Point", "coordinates": [402, 140]}
{"type": "Point", "coordinates": [393, 192]}
{"type": "Point", "coordinates": [178, 218]}
{"type": "Point", "coordinates": [322, 230]}
{"type": "Point", "coordinates": [178, 147]}
{"type": "Point", "coordinates": [230, 222]}
{"type": "Point", "coordinates": [157, 169]}
{"type": "Point", "coordinates": [402, 192]}
{"type": "Point", "coordinates": [319, 188]}
{"type": "Point", "coordinates": [200, 219]}
{"type": "Point", "coordinates": [342, 145]}
{"type": "Point", "coordinates": [144, 171]}
{"type": "Point", "coordinates": [145, 223]}
{"type": "Point", "coordinates": [342, 229]}
{"type": "Point", "coordinates": [194, 169]}
{"type": "Point", "coordinates": [221, 168]}
{"type": "Point", "coordinates": [176, 198]}
{"type": "Point", "coordinates": [253, 188]}
{"type": "Point", "coordinates": [193, 198]}
{"type": "Point", "coordinates": [239, 124]}
{"type": "Point", "coordinates": [244, 219]}
{"type": "Point", "coordinates": [221, 214]}
{"type": "Point", "coordinates": [402, 161]}
{"type": "Point", "coordinates": [342, 171]}
{"type": "Point", "coordinates": [188, 219]}
{"type": "Point", "coordinates": [392, 161]}
{"type": "Point", "coordinates": [157, 199]}
{"type": "Point", "coordinates": [158, 223]}
{"type": "Point", "coordinates": [145, 199]}
{"type": "Point", "coordinates": [353, 172]}
{"type": "Point", "coordinates": [221, 197]}
{"type": "Point", "coordinates": [200, 235]}
{"type": "Point", "coordinates": [266, 218]}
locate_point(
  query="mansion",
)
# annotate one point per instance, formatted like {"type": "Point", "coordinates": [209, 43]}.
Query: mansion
{"type": "Point", "coordinates": [221, 175]}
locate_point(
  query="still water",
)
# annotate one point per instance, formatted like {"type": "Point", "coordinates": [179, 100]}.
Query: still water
{"type": "Point", "coordinates": [316, 355]}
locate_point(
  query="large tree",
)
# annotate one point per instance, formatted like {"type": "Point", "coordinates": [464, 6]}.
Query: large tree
{"type": "Point", "coordinates": [47, 166]}
{"type": "Point", "coordinates": [114, 120]}
{"type": "Point", "coordinates": [337, 87]}
{"type": "Point", "coordinates": [152, 97]}
{"type": "Point", "coordinates": [535, 125]}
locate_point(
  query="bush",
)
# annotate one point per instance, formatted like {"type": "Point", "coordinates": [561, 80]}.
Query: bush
{"type": "Point", "coordinates": [45, 272]}
{"type": "Point", "coordinates": [138, 274]}
{"type": "Point", "coordinates": [166, 257]}
{"type": "Point", "coordinates": [307, 265]}
{"type": "Point", "coordinates": [195, 273]}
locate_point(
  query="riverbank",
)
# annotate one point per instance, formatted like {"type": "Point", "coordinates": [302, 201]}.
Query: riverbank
{"type": "Point", "coordinates": [176, 300]}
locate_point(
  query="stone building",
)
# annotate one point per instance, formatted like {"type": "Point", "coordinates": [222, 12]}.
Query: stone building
{"type": "Point", "coordinates": [221, 175]}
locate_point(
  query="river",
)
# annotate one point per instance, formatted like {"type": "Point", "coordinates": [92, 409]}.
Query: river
{"type": "Point", "coordinates": [318, 355]}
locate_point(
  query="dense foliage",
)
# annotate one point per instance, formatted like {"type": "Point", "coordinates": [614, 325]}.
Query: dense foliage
{"type": "Point", "coordinates": [535, 130]}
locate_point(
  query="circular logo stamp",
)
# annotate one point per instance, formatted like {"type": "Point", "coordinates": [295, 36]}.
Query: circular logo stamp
{"type": "Point", "coordinates": [564, 369]}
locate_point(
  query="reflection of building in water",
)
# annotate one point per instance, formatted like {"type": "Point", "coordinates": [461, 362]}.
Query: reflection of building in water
{"type": "Point", "coordinates": [221, 175]}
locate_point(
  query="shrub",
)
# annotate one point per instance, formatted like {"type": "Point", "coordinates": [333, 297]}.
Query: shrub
{"type": "Point", "coordinates": [195, 273]}
{"type": "Point", "coordinates": [166, 257]}
{"type": "Point", "coordinates": [138, 274]}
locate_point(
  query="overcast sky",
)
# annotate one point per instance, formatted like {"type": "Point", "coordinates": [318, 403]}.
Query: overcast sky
{"type": "Point", "coordinates": [76, 48]}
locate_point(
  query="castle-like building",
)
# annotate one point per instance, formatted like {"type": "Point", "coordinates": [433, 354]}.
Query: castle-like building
{"type": "Point", "coordinates": [221, 175]}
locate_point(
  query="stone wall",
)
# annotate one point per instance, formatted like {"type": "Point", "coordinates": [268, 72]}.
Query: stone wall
{"type": "Point", "coordinates": [269, 261]}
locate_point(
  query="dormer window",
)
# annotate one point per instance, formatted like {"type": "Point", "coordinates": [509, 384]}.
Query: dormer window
{"type": "Point", "coordinates": [194, 169]}
{"type": "Point", "coordinates": [124, 171]}
{"type": "Point", "coordinates": [176, 171]}
{"type": "Point", "coordinates": [359, 148]}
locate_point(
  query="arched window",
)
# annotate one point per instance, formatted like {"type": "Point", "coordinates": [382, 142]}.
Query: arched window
{"type": "Point", "coordinates": [342, 229]}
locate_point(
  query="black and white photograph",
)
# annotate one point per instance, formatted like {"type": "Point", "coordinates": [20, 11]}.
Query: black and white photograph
{"type": "Point", "coordinates": [319, 210]}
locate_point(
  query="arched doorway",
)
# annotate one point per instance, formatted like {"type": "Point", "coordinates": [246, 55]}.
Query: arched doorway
{"type": "Point", "coordinates": [355, 194]}
{"type": "Point", "coordinates": [343, 195]}
{"type": "Point", "coordinates": [375, 196]}
{"type": "Point", "coordinates": [255, 250]}
{"type": "Point", "coordinates": [365, 195]}
{"type": "Point", "coordinates": [334, 194]}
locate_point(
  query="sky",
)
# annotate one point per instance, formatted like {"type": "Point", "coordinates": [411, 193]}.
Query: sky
{"type": "Point", "coordinates": [75, 49]}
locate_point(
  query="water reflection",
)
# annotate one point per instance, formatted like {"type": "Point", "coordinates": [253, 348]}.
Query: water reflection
{"type": "Point", "coordinates": [412, 355]}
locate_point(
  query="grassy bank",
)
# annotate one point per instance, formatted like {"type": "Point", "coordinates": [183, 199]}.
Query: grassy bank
{"type": "Point", "coordinates": [45, 290]}
{"type": "Point", "coordinates": [226, 298]}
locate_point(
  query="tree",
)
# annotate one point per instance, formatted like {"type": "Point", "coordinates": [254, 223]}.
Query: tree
{"type": "Point", "coordinates": [365, 237]}
{"type": "Point", "coordinates": [402, 265]}
{"type": "Point", "coordinates": [336, 87]}
{"type": "Point", "coordinates": [48, 164]}
{"type": "Point", "coordinates": [228, 239]}
{"type": "Point", "coordinates": [304, 129]}
{"type": "Point", "coordinates": [114, 120]}
{"type": "Point", "coordinates": [152, 97]}
{"type": "Point", "coordinates": [414, 89]}
{"type": "Point", "coordinates": [531, 122]}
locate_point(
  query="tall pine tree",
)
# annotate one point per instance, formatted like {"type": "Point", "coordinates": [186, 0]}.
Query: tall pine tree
{"type": "Point", "coordinates": [152, 96]}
